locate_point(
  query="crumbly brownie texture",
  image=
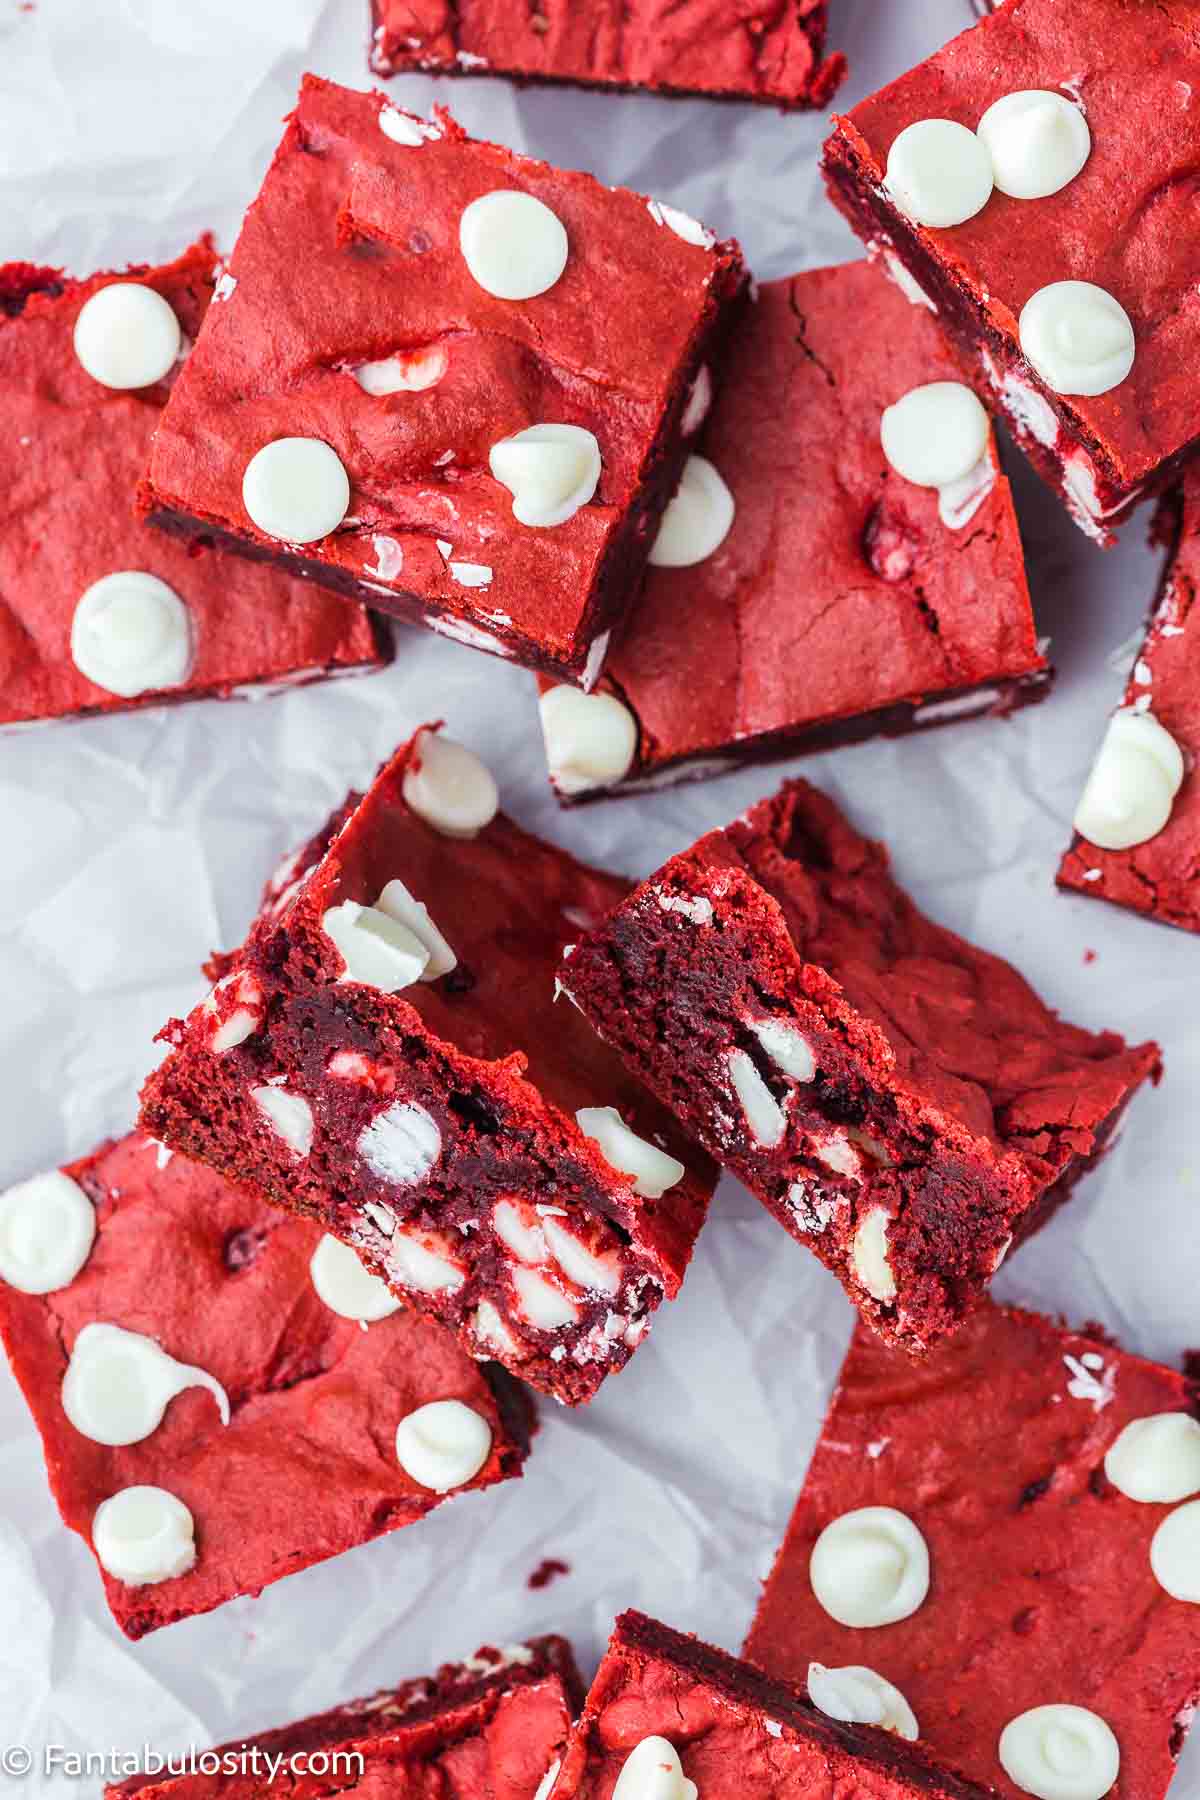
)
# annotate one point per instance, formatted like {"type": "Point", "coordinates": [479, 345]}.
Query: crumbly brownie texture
{"type": "Point", "coordinates": [738, 1734]}
{"type": "Point", "coordinates": [366, 203]}
{"type": "Point", "coordinates": [1042, 1590]}
{"type": "Point", "coordinates": [486, 1729]}
{"type": "Point", "coordinates": [440, 1122]}
{"type": "Point", "coordinates": [845, 600]}
{"type": "Point", "coordinates": [74, 453]}
{"type": "Point", "coordinates": [901, 1101]}
{"type": "Point", "coordinates": [1161, 877]}
{"type": "Point", "coordinates": [1120, 224]}
{"type": "Point", "coordinates": [737, 50]}
{"type": "Point", "coordinates": [221, 1282]}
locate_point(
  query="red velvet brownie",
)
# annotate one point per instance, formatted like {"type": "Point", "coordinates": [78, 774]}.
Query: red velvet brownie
{"type": "Point", "coordinates": [421, 1096]}
{"type": "Point", "coordinates": [668, 1715]}
{"type": "Point", "coordinates": [735, 50]}
{"type": "Point", "coordinates": [486, 1729]}
{"type": "Point", "coordinates": [448, 415]}
{"type": "Point", "coordinates": [1137, 840]}
{"type": "Point", "coordinates": [899, 1100]}
{"type": "Point", "coordinates": [222, 1401]}
{"type": "Point", "coordinates": [846, 599]}
{"type": "Point", "coordinates": [1070, 282]}
{"type": "Point", "coordinates": [98, 613]}
{"type": "Point", "coordinates": [1009, 1457]}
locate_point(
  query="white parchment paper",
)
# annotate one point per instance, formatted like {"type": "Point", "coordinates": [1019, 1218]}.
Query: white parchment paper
{"type": "Point", "coordinates": [129, 847]}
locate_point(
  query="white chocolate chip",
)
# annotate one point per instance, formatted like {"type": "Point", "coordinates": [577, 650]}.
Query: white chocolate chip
{"type": "Point", "coordinates": [513, 245]}
{"type": "Point", "coordinates": [377, 949]}
{"type": "Point", "coordinates": [1175, 1553]}
{"type": "Point", "coordinates": [652, 1169]}
{"type": "Point", "coordinates": [939, 173]}
{"type": "Point", "coordinates": [595, 1274]}
{"type": "Point", "coordinates": [698, 518]}
{"type": "Point", "coordinates": [131, 634]}
{"type": "Point", "coordinates": [787, 1047]}
{"type": "Point", "coordinates": [870, 1567]}
{"type": "Point", "coordinates": [491, 1331]}
{"type": "Point", "coordinates": [449, 787]}
{"type": "Point", "coordinates": [1157, 1459]}
{"type": "Point", "coordinates": [1132, 787]}
{"type": "Point", "coordinates": [527, 1241]}
{"type": "Point", "coordinates": [127, 336]}
{"type": "Point", "coordinates": [546, 1784]}
{"type": "Point", "coordinates": [419, 1262]}
{"type": "Point", "coordinates": [682, 224]}
{"type": "Point", "coordinates": [289, 1115]}
{"type": "Point", "coordinates": [443, 1445]}
{"type": "Point", "coordinates": [471, 575]}
{"type": "Point", "coordinates": [861, 1697]}
{"type": "Point", "coordinates": [935, 435]}
{"type": "Point", "coordinates": [142, 1535]}
{"type": "Point", "coordinates": [869, 1256]}
{"type": "Point", "coordinates": [347, 1286]}
{"type": "Point", "coordinates": [653, 1771]}
{"type": "Point", "coordinates": [591, 739]}
{"type": "Point", "coordinates": [1060, 1753]}
{"type": "Point", "coordinates": [699, 402]}
{"type": "Point", "coordinates": [762, 1111]}
{"type": "Point", "coordinates": [1078, 337]}
{"type": "Point", "coordinates": [546, 1307]}
{"type": "Point", "coordinates": [1038, 142]}
{"type": "Point", "coordinates": [401, 1144]}
{"type": "Point", "coordinates": [398, 903]}
{"type": "Point", "coordinates": [296, 489]}
{"type": "Point", "coordinates": [550, 471]}
{"type": "Point", "coordinates": [119, 1384]}
{"type": "Point", "coordinates": [405, 372]}
{"type": "Point", "coordinates": [47, 1228]}
{"type": "Point", "coordinates": [404, 129]}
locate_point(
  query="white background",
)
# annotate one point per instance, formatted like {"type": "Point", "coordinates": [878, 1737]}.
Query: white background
{"type": "Point", "coordinates": [129, 847]}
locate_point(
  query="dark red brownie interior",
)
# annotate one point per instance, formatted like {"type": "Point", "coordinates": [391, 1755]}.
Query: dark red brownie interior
{"type": "Point", "coordinates": [494, 1068]}
{"type": "Point", "coordinates": [306, 1467]}
{"type": "Point", "coordinates": [486, 1729]}
{"type": "Point", "coordinates": [67, 519]}
{"type": "Point", "coordinates": [739, 1734]}
{"type": "Point", "coordinates": [842, 602]}
{"type": "Point", "coordinates": [902, 1101]}
{"type": "Point", "coordinates": [1042, 1590]}
{"type": "Point", "coordinates": [1122, 224]}
{"type": "Point", "coordinates": [1161, 877]}
{"type": "Point", "coordinates": [350, 256]}
{"type": "Point", "coordinates": [735, 49]}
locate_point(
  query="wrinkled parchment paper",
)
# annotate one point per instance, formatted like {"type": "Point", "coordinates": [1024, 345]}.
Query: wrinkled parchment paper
{"type": "Point", "coordinates": [130, 846]}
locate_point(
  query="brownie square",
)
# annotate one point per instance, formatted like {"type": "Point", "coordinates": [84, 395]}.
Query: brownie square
{"type": "Point", "coordinates": [845, 600]}
{"type": "Point", "coordinates": [735, 50]}
{"type": "Point", "coordinates": [1123, 224]}
{"type": "Point", "coordinates": [1041, 1587]}
{"type": "Point", "coordinates": [729, 1729]}
{"type": "Point", "coordinates": [351, 320]}
{"type": "Point", "coordinates": [453, 1129]}
{"type": "Point", "coordinates": [485, 1729]}
{"type": "Point", "coordinates": [1159, 875]}
{"type": "Point", "coordinates": [306, 1466]}
{"type": "Point", "coordinates": [74, 451]}
{"type": "Point", "coordinates": [900, 1101]}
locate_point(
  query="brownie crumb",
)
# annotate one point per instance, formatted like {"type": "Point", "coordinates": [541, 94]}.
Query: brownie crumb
{"type": "Point", "coordinates": [548, 1571]}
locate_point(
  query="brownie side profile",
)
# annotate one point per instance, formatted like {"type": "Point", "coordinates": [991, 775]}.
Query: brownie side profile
{"type": "Point", "coordinates": [437, 1126]}
{"type": "Point", "coordinates": [737, 1733]}
{"type": "Point", "coordinates": [1120, 224]}
{"type": "Point", "coordinates": [78, 449]}
{"type": "Point", "coordinates": [1161, 876]}
{"type": "Point", "coordinates": [845, 600]}
{"type": "Point", "coordinates": [1042, 1590]}
{"type": "Point", "coordinates": [373, 337]}
{"type": "Point", "coordinates": [901, 1101]}
{"type": "Point", "coordinates": [732, 51]}
{"type": "Point", "coordinates": [305, 1468]}
{"type": "Point", "coordinates": [485, 1729]}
